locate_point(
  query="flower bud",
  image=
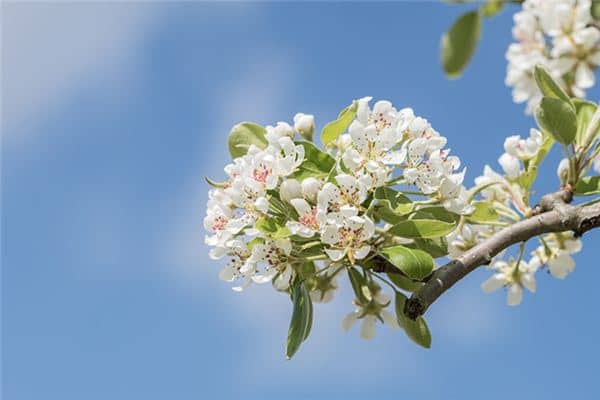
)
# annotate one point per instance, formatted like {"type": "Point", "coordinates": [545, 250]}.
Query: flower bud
{"type": "Point", "coordinates": [563, 171]}
{"type": "Point", "coordinates": [510, 165]}
{"type": "Point", "coordinates": [290, 189]}
{"type": "Point", "coordinates": [310, 189]}
{"type": "Point", "coordinates": [305, 125]}
{"type": "Point", "coordinates": [343, 142]}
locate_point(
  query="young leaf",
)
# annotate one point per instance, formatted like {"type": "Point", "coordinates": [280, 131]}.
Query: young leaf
{"type": "Point", "coordinates": [585, 111]}
{"type": "Point", "coordinates": [243, 135]}
{"type": "Point", "coordinates": [416, 264]}
{"type": "Point", "coordinates": [301, 321]}
{"type": "Point", "coordinates": [558, 118]}
{"type": "Point", "coordinates": [403, 282]}
{"type": "Point", "coordinates": [484, 213]}
{"type": "Point", "coordinates": [436, 247]}
{"type": "Point", "coordinates": [548, 86]}
{"type": "Point", "coordinates": [332, 130]}
{"type": "Point", "coordinates": [459, 43]}
{"type": "Point", "coordinates": [422, 228]}
{"type": "Point", "coordinates": [595, 11]}
{"type": "Point", "coordinates": [316, 164]}
{"type": "Point", "coordinates": [272, 229]}
{"type": "Point", "coordinates": [491, 8]}
{"type": "Point", "coordinates": [214, 183]}
{"type": "Point", "coordinates": [417, 330]}
{"type": "Point", "coordinates": [588, 186]}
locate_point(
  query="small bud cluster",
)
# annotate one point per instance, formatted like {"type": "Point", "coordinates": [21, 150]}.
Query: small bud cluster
{"type": "Point", "coordinates": [557, 34]}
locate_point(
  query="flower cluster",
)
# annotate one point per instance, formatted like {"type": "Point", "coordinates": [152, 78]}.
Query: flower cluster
{"type": "Point", "coordinates": [290, 211]}
{"type": "Point", "coordinates": [558, 35]}
{"type": "Point", "coordinates": [507, 194]}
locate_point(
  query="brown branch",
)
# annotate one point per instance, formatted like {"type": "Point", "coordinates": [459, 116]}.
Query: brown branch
{"type": "Point", "coordinates": [553, 215]}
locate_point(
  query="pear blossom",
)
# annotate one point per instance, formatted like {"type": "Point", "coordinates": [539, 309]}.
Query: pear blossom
{"type": "Point", "coordinates": [273, 257]}
{"type": "Point", "coordinates": [370, 313]}
{"type": "Point", "coordinates": [290, 189]}
{"type": "Point", "coordinates": [305, 125]}
{"type": "Point", "coordinates": [524, 149]}
{"type": "Point", "coordinates": [562, 171]}
{"type": "Point", "coordinates": [511, 165]}
{"type": "Point", "coordinates": [309, 220]}
{"type": "Point", "coordinates": [555, 252]}
{"type": "Point", "coordinates": [310, 188]}
{"type": "Point", "coordinates": [324, 288]}
{"type": "Point", "coordinates": [557, 35]}
{"type": "Point", "coordinates": [347, 236]}
{"type": "Point", "coordinates": [514, 276]}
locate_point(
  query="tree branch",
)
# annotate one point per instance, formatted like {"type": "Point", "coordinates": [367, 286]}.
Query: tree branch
{"type": "Point", "coordinates": [553, 215]}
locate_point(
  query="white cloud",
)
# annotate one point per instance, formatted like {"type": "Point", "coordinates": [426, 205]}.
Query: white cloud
{"type": "Point", "coordinates": [52, 50]}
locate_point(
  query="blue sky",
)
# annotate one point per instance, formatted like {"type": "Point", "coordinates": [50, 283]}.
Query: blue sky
{"type": "Point", "coordinates": [111, 116]}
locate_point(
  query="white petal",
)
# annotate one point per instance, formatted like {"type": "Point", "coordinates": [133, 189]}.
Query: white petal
{"type": "Point", "coordinates": [335, 254]}
{"type": "Point", "coordinates": [349, 321]}
{"type": "Point", "coordinates": [514, 295]}
{"type": "Point", "coordinates": [367, 330]}
{"type": "Point", "coordinates": [495, 282]}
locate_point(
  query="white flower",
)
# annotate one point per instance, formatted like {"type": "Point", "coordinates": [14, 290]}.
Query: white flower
{"type": "Point", "coordinates": [345, 198]}
{"type": "Point", "coordinates": [273, 257]}
{"type": "Point", "coordinates": [496, 185]}
{"type": "Point", "coordinates": [555, 252]}
{"type": "Point", "coordinates": [510, 165]}
{"type": "Point", "coordinates": [308, 221]}
{"type": "Point", "coordinates": [347, 236]}
{"type": "Point", "coordinates": [461, 240]}
{"type": "Point", "coordinates": [238, 265]}
{"type": "Point", "coordinates": [305, 125]}
{"type": "Point", "coordinates": [290, 189]}
{"type": "Point", "coordinates": [524, 149]}
{"type": "Point", "coordinates": [310, 188]}
{"type": "Point", "coordinates": [370, 313]}
{"type": "Point", "coordinates": [512, 276]}
{"type": "Point", "coordinates": [563, 170]}
{"type": "Point", "coordinates": [274, 133]}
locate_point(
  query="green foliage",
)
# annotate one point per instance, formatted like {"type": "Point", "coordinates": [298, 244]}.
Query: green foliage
{"type": "Point", "coordinates": [584, 110]}
{"type": "Point", "coordinates": [436, 247]}
{"type": "Point", "coordinates": [272, 229]}
{"type": "Point", "coordinates": [588, 186]}
{"type": "Point", "coordinates": [332, 130]}
{"type": "Point", "coordinates": [416, 264]}
{"type": "Point", "coordinates": [459, 43]}
{"type": "Point", "coordinates": [484, 213]}
{"type": "Point", "coordinates": [214, 183]}
{"type": "Point", "coordinates": [595, 10]}
{"type": "Point", "coordinates": [548, 86]}
{"type": "Point", "coordinates": [557, 117]}
{"type": "Point", "coordinates": [491, 8]}
{"type": "Point", "coordinates": [391, 205]}
{"type": "Point", "coordinates": [243, 135]}
{"type": "Point", "coordinates": [316, 164]}
{"type": "Point", "coordinates": [422, 228]}
{"type": "Point", "coordinates": [404, 282]}
{"type": "Point", "coordinates": [416, 330]}
{"type": "Point", "coordinates": [301, 321]}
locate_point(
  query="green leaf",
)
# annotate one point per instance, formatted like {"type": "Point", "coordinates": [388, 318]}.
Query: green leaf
{"type": "Point", "coordinates": [587, 186]}
{"type": "Point", "coordinates": [548, 86]}
{"type": "Point", "coordinates": [422, 228]}
{"type": "Point", "coordinates": [436, 247]}
{"type": "Point", "coordinates": [243, 135]}
{"type": "Point", "coordinates": [359, 285]}
{"type": "Point", "coordinates": [595, 10]}
{"type": "Point", "coordinates": [417, 330]}
{"type": "Point", "coordinates": [316, 164]}
{"type": "Point", "coordinates": [438, 213]}
{"type": "Point", "coordinates": [272, 229]}
{"type": "Point", "coordinates": [459, 43]}
{"type": "Point", "coordinates": [301, 321]}
{"type": "Point", "coordinates": [332, 130]}
{"type": "Point", "coordinates": [558, 118]}
{"type": "Point", "coordinates": [214, 183]}
{"type": "Point", "coordinates": [584, 110]}
{"type": "Point", "coordinates": [484, 213]}
{"type": "Point", "coordinates": [416, 264]}
{"type": "Point", "coordinates": [491, 8]}
{"type": "Point", "coordinates": [403, 282]}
